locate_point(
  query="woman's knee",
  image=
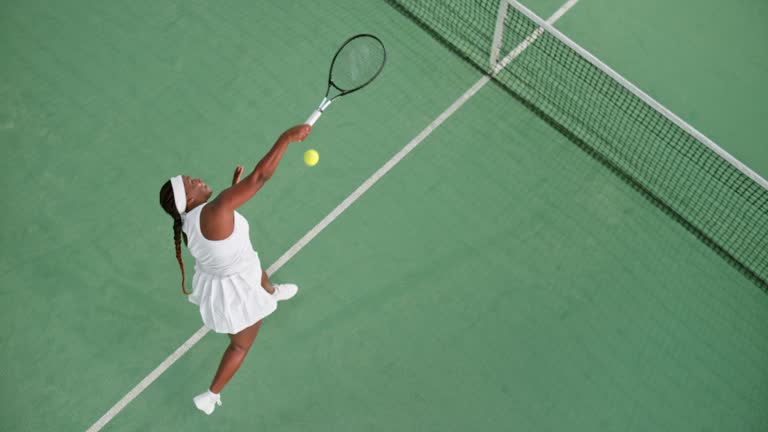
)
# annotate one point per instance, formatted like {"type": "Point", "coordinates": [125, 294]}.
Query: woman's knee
{"type": "Point", "coordinates": [240, 346]}
{"type": "Point", "coordinates": [242, 341]}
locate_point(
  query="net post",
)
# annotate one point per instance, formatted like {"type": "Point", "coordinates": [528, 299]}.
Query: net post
{"type": "Point", "coordinates": [498, 32]}
{"type": "Point", "coordinates": [661, 109]}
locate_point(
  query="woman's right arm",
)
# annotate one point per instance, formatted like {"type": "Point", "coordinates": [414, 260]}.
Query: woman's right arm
{"type": "Point", "coordinates": [239, 193]}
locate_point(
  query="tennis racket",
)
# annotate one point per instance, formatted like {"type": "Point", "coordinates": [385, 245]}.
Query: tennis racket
{"type": "Point", "coordinates": [358, 62]}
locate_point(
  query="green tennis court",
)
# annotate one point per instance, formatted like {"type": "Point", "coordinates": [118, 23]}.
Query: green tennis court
{"type": "Point", "coordinates": [501, 276]}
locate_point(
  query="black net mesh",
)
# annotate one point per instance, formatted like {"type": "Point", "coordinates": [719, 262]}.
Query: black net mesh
{"type": "Point", "coordinates": [709, 196]}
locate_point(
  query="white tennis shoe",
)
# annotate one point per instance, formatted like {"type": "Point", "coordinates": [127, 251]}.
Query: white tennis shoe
{"type": "Point", "coordinates": [284, 291]}
{"type": "Point", "coordinates": [206, 402]}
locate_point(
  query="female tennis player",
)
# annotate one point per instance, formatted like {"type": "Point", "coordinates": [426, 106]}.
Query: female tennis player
{"type": "Point", "coordinates": [232, 291]}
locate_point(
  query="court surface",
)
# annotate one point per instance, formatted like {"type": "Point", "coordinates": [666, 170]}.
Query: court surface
{"type": "Point", "coordinates": [497, 278]}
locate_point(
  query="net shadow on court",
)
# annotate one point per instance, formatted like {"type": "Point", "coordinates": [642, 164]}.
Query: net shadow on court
{"type": "Point", "coordinates": [467, 34]}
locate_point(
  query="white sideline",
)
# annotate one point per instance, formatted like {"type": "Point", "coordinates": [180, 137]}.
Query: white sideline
{"type": "Point", "coordinates": [149, 379]}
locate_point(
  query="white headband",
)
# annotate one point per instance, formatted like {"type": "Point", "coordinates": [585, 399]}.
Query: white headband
{"type": "Point", "coordinates": [179, 194]}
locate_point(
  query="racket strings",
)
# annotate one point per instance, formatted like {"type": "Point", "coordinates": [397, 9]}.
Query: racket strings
{"type": "Point", "coordinates": [357, 63]}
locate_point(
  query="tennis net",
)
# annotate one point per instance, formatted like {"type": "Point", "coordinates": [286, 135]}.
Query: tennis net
{"type": "Point", "coordinates": [680, 170]}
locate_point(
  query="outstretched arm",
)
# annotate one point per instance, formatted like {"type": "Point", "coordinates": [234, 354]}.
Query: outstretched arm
{"type": "Point", "coordinates": [240, 192]}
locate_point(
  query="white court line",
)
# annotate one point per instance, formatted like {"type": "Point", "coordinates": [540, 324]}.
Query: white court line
{"type": "Point", "coordinates": [140, 387]}
{"type": "Point", "coordinates": [149, 379]}
{"type": "Point", "coordinates": [682, 124]}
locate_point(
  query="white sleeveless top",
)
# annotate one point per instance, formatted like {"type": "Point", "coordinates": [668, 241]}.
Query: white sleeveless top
{"type": "Point", "coordinates": [227, 281]}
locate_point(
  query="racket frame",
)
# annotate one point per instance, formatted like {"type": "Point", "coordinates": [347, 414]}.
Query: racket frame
{"type": "Point", "coordinates": [326, 100]}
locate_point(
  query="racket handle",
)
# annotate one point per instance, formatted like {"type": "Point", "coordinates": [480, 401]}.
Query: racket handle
{"type": "Point", "coordinates": [313, 118]}
{"type": "Point", "coordinates": [318, 112]}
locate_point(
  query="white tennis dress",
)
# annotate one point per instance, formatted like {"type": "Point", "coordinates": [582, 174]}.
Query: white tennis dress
{"type": "Point", "coordinates": [227, 282]}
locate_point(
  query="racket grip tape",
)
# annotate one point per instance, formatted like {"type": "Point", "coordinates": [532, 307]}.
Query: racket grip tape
{"type": "Point", "coordinates": [313, 118]}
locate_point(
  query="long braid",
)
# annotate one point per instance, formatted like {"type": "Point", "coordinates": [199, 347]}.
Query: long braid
{"type": "Point", "coordinates": [168, 204]}
{"type": "Point", "coordinates": [177, 240]}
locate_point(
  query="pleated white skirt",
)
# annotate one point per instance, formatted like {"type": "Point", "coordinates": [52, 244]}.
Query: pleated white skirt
{"type": "Point", "coordinates": [229, 304]}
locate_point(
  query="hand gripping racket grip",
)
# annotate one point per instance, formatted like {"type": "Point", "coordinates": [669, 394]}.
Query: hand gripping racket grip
{"type": "Point", "coordinates": [318, 112]}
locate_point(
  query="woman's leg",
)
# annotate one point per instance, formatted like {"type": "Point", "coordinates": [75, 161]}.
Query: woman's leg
{"type": "Point", "coordinates": [287, 291]}
{"type": "Point", "coordinates": [238, 347]}
{"type": "Point", "coordinates": [266, 283]}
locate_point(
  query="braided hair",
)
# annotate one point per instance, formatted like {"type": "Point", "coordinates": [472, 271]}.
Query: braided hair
{"type": "Point", "coordinates": [168, 203]}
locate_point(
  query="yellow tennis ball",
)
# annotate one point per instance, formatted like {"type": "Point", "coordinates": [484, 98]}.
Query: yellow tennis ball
{"type": "Point", "coordinates": [311, 157]}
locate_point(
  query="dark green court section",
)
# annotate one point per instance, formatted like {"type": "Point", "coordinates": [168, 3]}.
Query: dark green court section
{"type": "Point", "coordinates": [705, 60]}
{"type": "Point", "coordinates": [498, 279]}
{"type": "Point", "coordinates": [489, 295]}
{"type": "Point", "coordinates": [108, 101]}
